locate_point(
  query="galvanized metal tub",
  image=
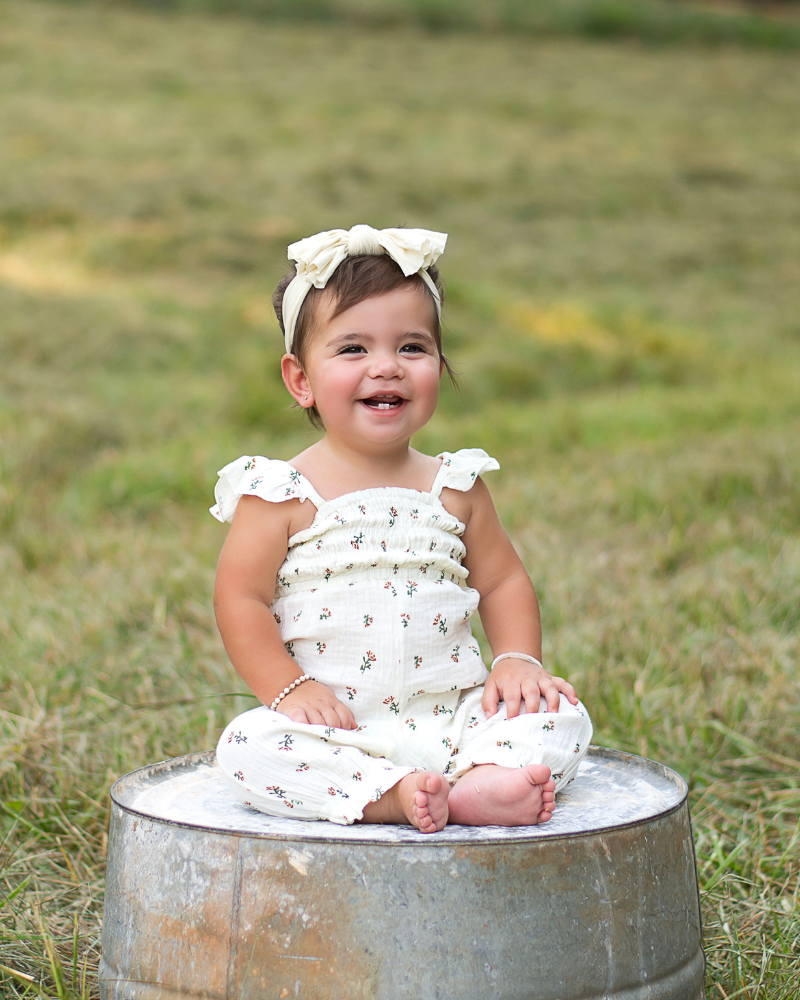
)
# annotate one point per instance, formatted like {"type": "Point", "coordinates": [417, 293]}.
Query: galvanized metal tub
{"type": "Point", "coordinates": [206, 898]}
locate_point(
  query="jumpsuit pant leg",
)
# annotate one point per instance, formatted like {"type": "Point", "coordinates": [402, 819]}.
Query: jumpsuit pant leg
{"type": "Point", "coordinates": [557, 739]}
{"type": "Point", "coordinates": [292, 769]}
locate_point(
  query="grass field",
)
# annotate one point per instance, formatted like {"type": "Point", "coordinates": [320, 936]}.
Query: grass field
{"type": "Point", "coordinates": [624, 294]}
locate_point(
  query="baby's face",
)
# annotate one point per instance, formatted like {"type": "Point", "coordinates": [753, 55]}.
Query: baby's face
{"type": "Point", "coordinates": [374, 370]}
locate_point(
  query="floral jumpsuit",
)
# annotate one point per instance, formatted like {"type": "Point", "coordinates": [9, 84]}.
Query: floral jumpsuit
{"type": "Point", "coordinates": [372, 601]}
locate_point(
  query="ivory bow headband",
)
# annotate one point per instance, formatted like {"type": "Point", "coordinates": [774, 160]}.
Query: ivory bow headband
{"type": "Point", "coordinates": [318, 257]}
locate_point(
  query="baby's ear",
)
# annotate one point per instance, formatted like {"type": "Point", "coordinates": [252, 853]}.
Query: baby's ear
{"type": "Point", "coordinates": [296, 381]}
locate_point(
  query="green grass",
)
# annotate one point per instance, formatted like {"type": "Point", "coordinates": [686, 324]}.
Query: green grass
{"type": "Point", "coordinates": [654, 22]}
{"type": "Point", "coordinates": [623, 303]}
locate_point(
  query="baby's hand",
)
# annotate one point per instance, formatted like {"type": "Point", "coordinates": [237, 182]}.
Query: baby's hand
{"type": "Point", "coordinates": [317, 705]}
{"type": "Point", "coordinates": [514, 681]}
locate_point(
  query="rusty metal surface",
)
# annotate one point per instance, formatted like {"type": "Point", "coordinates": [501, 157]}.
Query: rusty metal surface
{"type": "Point", "coordinates": [388, 914]}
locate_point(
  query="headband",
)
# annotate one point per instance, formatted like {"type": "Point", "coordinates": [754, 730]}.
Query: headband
{"type": "Point", "coordinates": [317, 257]}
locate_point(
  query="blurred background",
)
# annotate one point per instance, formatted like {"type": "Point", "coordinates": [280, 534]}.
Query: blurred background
{"type": "Point", "coordinates": [621, 185]}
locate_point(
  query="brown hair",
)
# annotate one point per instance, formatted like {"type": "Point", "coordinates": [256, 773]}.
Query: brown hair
{"type": "Point", "coordinates": [354, 280]}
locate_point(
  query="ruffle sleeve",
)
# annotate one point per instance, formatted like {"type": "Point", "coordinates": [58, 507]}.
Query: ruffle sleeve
{"type": "Point", "coordinates": [461, 468]}
{"type": "Point", "coordinates": [254, 475]}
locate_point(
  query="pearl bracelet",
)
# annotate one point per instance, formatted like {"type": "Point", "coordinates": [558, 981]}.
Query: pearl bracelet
{"type": "Point", "coordinates": [517, 656]}
{"type": "Point", "coordinates": [290, 687]}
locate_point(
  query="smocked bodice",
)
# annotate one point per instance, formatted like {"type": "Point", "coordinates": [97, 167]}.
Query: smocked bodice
{"type": "Point", "coordinates": [371, 534]}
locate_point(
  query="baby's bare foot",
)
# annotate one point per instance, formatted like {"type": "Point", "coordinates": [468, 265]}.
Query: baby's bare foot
{"type": "Point", "coordinates": [419, 798]}
{"type": "Point", "coordinates": [503, 796]}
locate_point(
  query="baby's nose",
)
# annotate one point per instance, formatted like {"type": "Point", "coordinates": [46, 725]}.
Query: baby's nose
{"type": "Point", "coordinates": [387, 367]}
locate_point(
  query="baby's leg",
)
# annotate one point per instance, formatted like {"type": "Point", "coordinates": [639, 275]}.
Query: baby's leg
{"type": "Point", "coordinates": [521, 761]}
{"type": "Point", "coordinates": [490, 795]}
{"type": "Point", "coordinates": [291, 769]}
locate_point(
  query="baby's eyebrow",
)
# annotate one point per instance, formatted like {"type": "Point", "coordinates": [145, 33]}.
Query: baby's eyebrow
{"type": "Point", "coordinates": [348, 338]}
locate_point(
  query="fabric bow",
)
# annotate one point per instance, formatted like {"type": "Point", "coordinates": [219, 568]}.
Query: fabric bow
{"type": "Point", "coordinates": [318, 256]}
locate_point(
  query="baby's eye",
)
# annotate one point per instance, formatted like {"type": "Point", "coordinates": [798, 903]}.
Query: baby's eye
{"type": "Point", "coordinates": [352, 349]}
{"type": "Point", "coordinates": [413, 349]}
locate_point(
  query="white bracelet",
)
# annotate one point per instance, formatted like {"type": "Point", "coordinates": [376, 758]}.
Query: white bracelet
{"type": "Point", "coordinates": [290, 687]}
{"type": "Point", "coordinates": [517, 656]}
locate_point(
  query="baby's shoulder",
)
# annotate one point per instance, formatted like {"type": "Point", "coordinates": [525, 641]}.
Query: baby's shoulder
{"type": "Point", "coordinates": [270, 479]}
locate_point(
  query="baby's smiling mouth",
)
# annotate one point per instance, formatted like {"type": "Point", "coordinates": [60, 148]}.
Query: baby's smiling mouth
{"type": "Point", "coordinates": [386, 401]}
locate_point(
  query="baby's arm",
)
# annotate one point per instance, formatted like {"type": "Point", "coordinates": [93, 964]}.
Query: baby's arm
{"type": "Point", "coordinates": [248, 567]}
{"type": "Point", "coordinates": [509, 613]}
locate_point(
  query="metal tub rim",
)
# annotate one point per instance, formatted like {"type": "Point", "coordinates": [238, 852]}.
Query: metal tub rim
{"type": "Point", "coordinates": [430, 840]}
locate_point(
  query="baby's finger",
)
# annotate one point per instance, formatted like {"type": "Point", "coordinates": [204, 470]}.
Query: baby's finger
{"type": "Point", "coordinates": [315, 717]}
{"type": "Point", "coordinates": [531, 695]}
{"type": "Point", "coordinates": [331, 716]}
{"type": "Point", "coordinates": [490, 698]}
{"type": "Point", "coordinates": [566, 688]}
{"type": "Point", "coordinates": [513, 699]}
{"type": "Point", "coordinates": [296, 714]}
{"type": "Point", "coordinates": [550, 692]}
{"type": "Point", "coordinates": [345, 716]}
{"type": "Point", "coordinates": [340, 714]}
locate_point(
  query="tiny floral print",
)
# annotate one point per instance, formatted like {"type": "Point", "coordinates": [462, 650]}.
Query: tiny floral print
{"type": "Point", "coordinates": [454, 654]}
{"type": "Point", "coordinates": [448, 742]}
{"type": "Point", "coordinates": [432, 546]}
{"type": "Point", "coordinates": [250, 464]}
{"type": "Point", "coordinates": [338, 791]}
{"type": "Point", "coordinates": [504, 743]}
{"type": "Point", "coordinates": [238, 775]}
{"type": "Point", "coordinates": [325, 613]}
{"type": "Point", "coordinates": [473, 722]}
{"type": "Point", "coordinates": [339, 520]}
{"type": "Point", "coordinates": [451, 766]}
{"type": "Point", "coordinates": [351, 693]}
{"type": "Point", "coordinates": [411, 586]}
{"type": "Point", "coordinates": [362, 508]}
{"type": "Point", "coordinates": [357, 776]}
{"type": "Point", "coordinates": [256, 482]}
{"type": "Point", "coordinates": [278, 619]}
{"type": "Point", "coordinates": [367, 621]}
{"type": "Point", "coordinates": [410, 723]}
{"type": "Point", "coordinates": [405, 619]}
{"type": "Point", "coordinates": [290, 649]}
{"type": "Point", "coordinates": [286, 742]}
{"type": "Point", "coordinates": [318, 544]}
{"type": "Point", "coordinates": [296, 618]}
{"type": "Point", "coordinates": [393, 706]}
{"type": "Point", "coordinates": [328, 573]}
{"type": "Point", "coordinates": [549, 726]}
{"type": "Point", "coordinates": [303, 767]}
{"type": "Point", "coordinates": [392, 516]}
{"type": "Point", "coordinates": [369, 659]}
{"type": "Point", "coordinates": [239, 737]}
{"type": "Point", "coordinates": [442, 710]}
{"type": "Point", "coordinates": [321, 647]}
{"type": "Point", "coordinates": [383, 545]}
{"type": "Point", "coordinates": [388, 586]}
{"type": "Point", "coordinates": [441, 621]}
{"type": "Point", "coordinates": [415, 514]}
{"type": "Point", "coordinates": [417, 665]}
{"type": "Point", "coordinates": [357, 540]}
